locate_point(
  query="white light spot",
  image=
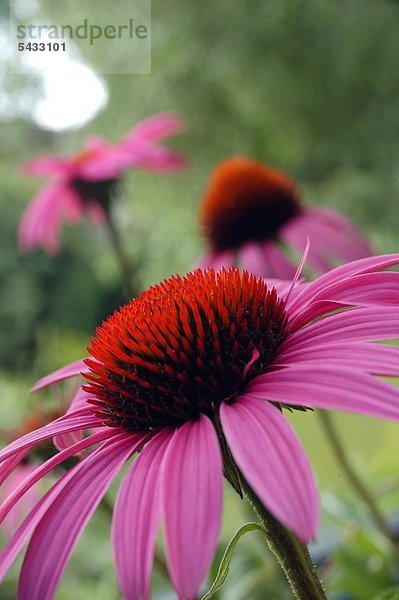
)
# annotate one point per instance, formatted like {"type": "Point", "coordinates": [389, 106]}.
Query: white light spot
{"type": "Point", "coordinates": [73, 95]}
{"type": "Point", "coordinates": [72, 92]}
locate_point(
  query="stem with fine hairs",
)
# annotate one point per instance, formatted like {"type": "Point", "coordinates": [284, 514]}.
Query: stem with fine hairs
{"type": "Point", "coordinates": [293, 556]}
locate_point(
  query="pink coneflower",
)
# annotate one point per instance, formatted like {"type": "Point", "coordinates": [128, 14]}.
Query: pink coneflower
{"type": "Point", "coordinates": [83, 183]}
{"type": "Point", "coordinates": [251, 214]}
{"type": "Point", "coordinates": [194, 375]}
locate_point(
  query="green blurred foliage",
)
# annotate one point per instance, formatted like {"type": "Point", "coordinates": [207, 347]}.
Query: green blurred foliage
{"type": "Point", "coordinates": [310, 87]}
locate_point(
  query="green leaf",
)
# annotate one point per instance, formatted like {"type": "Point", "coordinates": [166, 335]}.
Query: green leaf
{"type": "Point", "coordinates": [224, 566]}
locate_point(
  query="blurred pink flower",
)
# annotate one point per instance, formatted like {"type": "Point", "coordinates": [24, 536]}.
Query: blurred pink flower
{"type": "Point", "coordinates": [28, 501]}
{"type": "Point", "coordinates": [83, 183]}
{"type": "Point", "coordinates": [193, 361]}
{"type": "Point", "coordinates": [252, 217]}
{"type": "Point", "coordinates": [41, 452]}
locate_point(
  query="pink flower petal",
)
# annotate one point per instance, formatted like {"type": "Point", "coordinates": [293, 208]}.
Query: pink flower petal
{"type": "Point", "coordinates": [79, 400]}
{"type": "Point", "coordinates": [336, 235]}
{"type": "Point", "coordinates": [330, 387]}
{"type": "Point", "coordinates": [65, 440]}
{"type": "Point", "coordinates": [360, 324]}
{"type": "Point", "coordinates": [77, 420]}
{"type": "Point", "coordinates": [107, 164]}
{"type": "Point", "coordinates": [72, 370]}
{"type": "Point", "coordinates": [358, 267]}
{"type": "Point", "coordinates": [17, 513]}
{"type": "Point", "coordinates": [216, 260]}
{"type": "Point", "coordinates": [377, 359]}
{"type": "Point", "coordinates": [136, 519]}
{"type": "Point", "coordinates": [252, 258]}
{"type": "Point", "coordinates": [38, 473]}
{"type": "Point", "coordinates": [299, 269]}
{"type": "Point", "coordinates": [137, 149]}
{"type": "Point", "coordinates": [279, 262]}
{"type": "Point", "coordinates": [40, 223]}
{"type": "Point", "coordinates": [10, 552]}
{"type": "Point", "coordinates": [72, 206]}
{"type": "Point", "coordinates": [273, 462]}
{"type": "Point", "coordinates": [9, 464]}
{"type": "Point", "coordinates": [295, 234]}
{"type": "Point", "coordinates": [192, 503]}
{"type": "Point", "coordinates": [332, 242]}
{"type": "Point", "coordinates": [156, 128]}
{"type": "Point", "coordinates": [154, 158]}
{"type": "Point", "coordinates": [17, 541]}
{"type": "Point", "coordinates": [48, 165]}
{"type": "Point", "coordinates": [368, 289]}
{"type": "Point", "coordinates": [343, 224]}
{"type": "Point", "coordinates": [58, 531]}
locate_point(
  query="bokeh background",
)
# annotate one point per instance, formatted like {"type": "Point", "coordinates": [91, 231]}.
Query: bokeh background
{"type": "Point", "coordinates": [308, 87]}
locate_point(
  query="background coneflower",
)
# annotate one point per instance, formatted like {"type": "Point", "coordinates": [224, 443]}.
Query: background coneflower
{"type": "Point", "coordinates": [252, 217]}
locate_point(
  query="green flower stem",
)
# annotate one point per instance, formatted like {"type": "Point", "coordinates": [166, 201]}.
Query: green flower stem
{"type": "Point", "coordinates": [293, 556]}
{"type": "Point", "coordinates": [127, 269]}
{"type": "Point", "coordinates": [356, 481]}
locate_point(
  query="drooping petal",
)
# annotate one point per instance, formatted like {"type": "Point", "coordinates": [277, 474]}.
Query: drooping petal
{"type": "Point", "coordinates": [61, 442]}
{"type": "Point", "coordinates": [18, 512]}
{"type": "Point", "coordinates": [192, 503]}
{"type": "Point", "coordinates": [65, 440]}
{"type": "Point", "coordinates": [40, 223]}
{"type": "Point", "coordinates": [253, 258]}
{"type": "Point", "coordinates": [294, 234]}
{"type": "Point", "coordinates": [10, 552]}
{"type": "Point", "coordinates": [72, 370]}
{"type": "Point", "coordinates": [273, 462]}
{"type": "Point", "coordinates": [14, 546]}
{"type": "Point", "coordinates": [345, 226]}
{"type": "Point", "coordinates": [59, 529]}
{"type": "Point", "coordinates": [329, 387]}
{"type": "Point", "coordinates": [9, 464]}
{"type": "Point", "coordinates": [79, 400]}
{"type": "Point", "coordinates": [136, 519]}
{"type": "Point", "coordinates": [80, 419]}
{"type": "Point", "coordinates": [279, 262]}
{"type": "Point", "coordinates": [332, 241]}
{"type": "Point", "coordinates": [72, 207]}
{"type": "Point", "coordinates": [38, 473]}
